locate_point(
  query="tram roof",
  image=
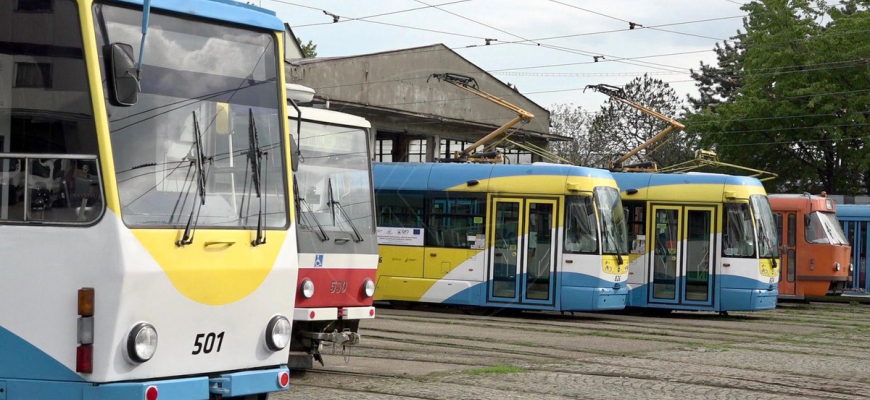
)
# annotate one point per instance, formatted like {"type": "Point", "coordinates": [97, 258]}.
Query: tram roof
{"type": "Point", "coordinates": [655, 185]}
{"type": "Point", "coordinates": [853, 211]}
{"type": "Point", "coordinates": [444, 176]}
{"type": "Point", "coordinates": [222, 10]}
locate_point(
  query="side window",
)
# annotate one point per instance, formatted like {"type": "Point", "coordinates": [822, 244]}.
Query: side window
{"type": "Point", "coordinates": [581, 227]}
{"type": "Point", "coordinates": [400, 210]}
{"type": "Point", "coordinates": [636, 217]}
{"type": "Point", "coordinates": [738, 236]}
{"type": "Point", "coordinates": [779, 233]}
{"type": "Point", "coordinates": [456, 222]}
{"type": "Point", "coordinates": [48, 139]}
{"type": "Point", "coordinates": [792, 229]}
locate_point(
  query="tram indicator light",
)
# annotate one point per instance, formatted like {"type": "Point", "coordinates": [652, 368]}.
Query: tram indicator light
{"type": "Point", "coordinates": [84, 359]}
{"type": "Point", "coordinates": [86, 302]}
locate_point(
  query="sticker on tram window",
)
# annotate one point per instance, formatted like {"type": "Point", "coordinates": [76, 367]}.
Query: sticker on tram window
{"type": "Point", "coordinates": [204, 343]}
{"type": "Point", "coordinates": [478, 220]}
{"type": "Point", "coordinates": [400, 236]}
{"type": "Point", "coordinates": [318, 260]}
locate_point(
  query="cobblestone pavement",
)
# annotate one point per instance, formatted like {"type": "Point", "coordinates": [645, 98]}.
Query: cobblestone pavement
{"type": "Point", "coordinates": [817, 351]}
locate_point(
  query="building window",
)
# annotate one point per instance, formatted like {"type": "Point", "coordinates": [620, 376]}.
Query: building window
{"type": "Point", "coordinates": [517, 156]}
{"type": "Point", "coordinates": [417, 150]}
{"type": "Point", "coordinates": [33, 6]}
{"type": "Point", "coordinates": [32, 75]}
{"type": "Point", "coordinates": [450, 147]}
{"type": "Point", "coordinates": [384, 150]}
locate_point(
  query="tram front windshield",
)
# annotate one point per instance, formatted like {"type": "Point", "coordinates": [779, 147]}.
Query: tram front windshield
{"type": "Point", "coordinates": [823, 228]}
{"type": "Point", "coordinates": [333, 181]}
{"type": "Point", "coordinates": [766, 225]}
{"type": "Point", "coordinates": [218, 80]}
{"type": "Point", "coordinates": [611, 215]}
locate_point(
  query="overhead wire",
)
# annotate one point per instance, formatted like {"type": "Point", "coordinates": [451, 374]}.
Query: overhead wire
{"type": "Point", "coordinates": [562, 48]}
{"type": "Point", "coordinates": [347, 19]}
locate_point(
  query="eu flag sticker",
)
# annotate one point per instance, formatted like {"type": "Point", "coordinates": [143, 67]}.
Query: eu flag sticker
{"type": "Point", "coordinates": [318, 260]}
{"type": "Point", "coordinates": [416, 231]}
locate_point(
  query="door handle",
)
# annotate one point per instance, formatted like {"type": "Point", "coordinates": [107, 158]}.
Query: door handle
{"type": "Point", "coordinates": [218, 245]}
{"type": "Point", "coordinates": [498, 254]}
{"type": "Point", "coordinates": [341, 240]}
{"type": "Point", "coordinates": [433, 254]}
{"type": "Point", "coordinates": [569, 261]}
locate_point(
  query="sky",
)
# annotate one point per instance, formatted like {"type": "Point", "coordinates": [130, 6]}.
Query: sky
{"type": "Point", "coordinates": [464, 24]}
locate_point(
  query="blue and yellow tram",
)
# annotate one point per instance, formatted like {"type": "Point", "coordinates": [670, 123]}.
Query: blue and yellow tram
{"type": "Point", "coordinates": [699, 242]}
{"type": "Point", "coordinates": [855, 219]}
{"type": "Point", "coordinates": [534, 237]}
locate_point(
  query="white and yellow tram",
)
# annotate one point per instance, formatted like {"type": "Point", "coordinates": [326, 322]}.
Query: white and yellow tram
{"type": "Point", "coordinates": [147, 244]}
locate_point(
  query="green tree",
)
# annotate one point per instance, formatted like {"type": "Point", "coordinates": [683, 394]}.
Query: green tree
{"type": "Point", "coordinates": [583, 149]}
{"type": "Point", "coordinates": [801, 99]}
{"type": "Point", "coordinates": [621, 128]}
{"type": "Point", "coordinates": [308, 50]}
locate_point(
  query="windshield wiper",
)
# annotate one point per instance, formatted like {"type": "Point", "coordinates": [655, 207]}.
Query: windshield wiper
{"type": "Point", "coordinates": [333, 202]}
{"type": "Point", "coordinates": [199, 163]}
{"type": "Point", "coordinates": [615, 243]}
{"type": "Point", "coordinates": [255, 154]}
{"type": "Point", "coordinates": [301, 201]}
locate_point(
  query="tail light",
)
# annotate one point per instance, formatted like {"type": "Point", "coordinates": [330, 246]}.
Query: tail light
{"type": "Point", "coordinates": [85, 331]}
{"type": "Point", "coordinates": [283, 379]}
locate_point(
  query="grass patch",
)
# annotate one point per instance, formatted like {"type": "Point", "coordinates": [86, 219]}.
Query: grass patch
{"type": "Point", "coordinates": [498, 369]}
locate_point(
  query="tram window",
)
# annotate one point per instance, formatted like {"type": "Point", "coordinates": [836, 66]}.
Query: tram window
{"type": "Point", "coordinates": [33, 6]}
{"type": "Point", "coordinates": [456, 222]}
{"type": "Point", "coordinates": [738, 236]}
{"type": "Point", "coordinates": [792, 229]}
{"type": "Point", "coordinates": [778, 218]}
{"type": "Point", "coordinates": [791, 266]}
{"type": "Point", "coordinates": [46, 108]}
{"type": "Point", "coordinates": [581, 232]}
{"type": "Point", "coordinates": [635, 213]}
{"type": "Point", "coordinates": [400, 210]}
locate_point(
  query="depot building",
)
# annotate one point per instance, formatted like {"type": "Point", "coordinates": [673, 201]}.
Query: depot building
{"type": "Point", "coordinates": [415, 118]}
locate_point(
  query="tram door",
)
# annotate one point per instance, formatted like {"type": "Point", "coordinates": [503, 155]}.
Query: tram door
{"type": "Point", "coordinates": [857, 233]}
{"type": "Point", "coordinates": [681, 267]}
{"type": "Point", "coordinates": [522, 258]}
{"type": "Point", "coordinates": [788, 237]}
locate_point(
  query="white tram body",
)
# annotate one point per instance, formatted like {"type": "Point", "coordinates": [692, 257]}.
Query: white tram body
{"type": "Point", "coordinates": [148, 243]}
{"type": "Point", "coordinates": [338, 251]}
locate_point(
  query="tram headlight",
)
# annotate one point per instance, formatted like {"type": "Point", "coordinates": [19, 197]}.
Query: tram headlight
{"type": "Point", "coordinates": [307, 288]}
{"type": "Point", "coordinates": [278, 333]}
{"type": "Point", "coordinates": [142, 342]}
{"type": "Point", "coordinates": [369, 288]}
{"type": "Point", "coordinates": [836, 266]}
{"type": "Point", "coordinates": [851, 267]}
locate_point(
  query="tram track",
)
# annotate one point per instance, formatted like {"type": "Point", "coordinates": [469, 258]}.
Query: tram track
{"type": "Point", "coordinates": [444, 355]}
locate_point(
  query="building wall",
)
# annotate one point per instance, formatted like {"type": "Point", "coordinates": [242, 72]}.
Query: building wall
{"type": "Point", "coordinates": [393, 91]}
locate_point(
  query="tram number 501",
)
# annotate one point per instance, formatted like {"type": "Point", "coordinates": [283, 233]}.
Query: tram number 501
{"type": "Point", "coordinates": [204, 343]}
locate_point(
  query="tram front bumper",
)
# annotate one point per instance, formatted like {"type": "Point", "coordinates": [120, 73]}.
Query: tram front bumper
{"type": "Point", "coordinates": [593, 298]}
{"type": "Point", "coordinates": [197, 388]}
{"type": "Point", "coordinates": [748, 299]}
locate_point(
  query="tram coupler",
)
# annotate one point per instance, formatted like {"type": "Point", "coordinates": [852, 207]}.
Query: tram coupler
{"type": "Point", "coordinates": [314, 342]}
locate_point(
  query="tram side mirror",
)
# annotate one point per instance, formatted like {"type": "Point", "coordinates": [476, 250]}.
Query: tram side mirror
{"type": "Point", "coordinates": [783, 249]}
{"type": "Point", "coordinates": [294, 154]}
{"type": "Point", "coordinates": [806, 220]}
{"type": "Point", "coordinates": [124, 81]}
